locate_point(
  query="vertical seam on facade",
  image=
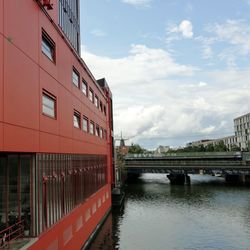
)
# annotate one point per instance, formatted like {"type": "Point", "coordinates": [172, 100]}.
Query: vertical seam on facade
{"type": "Point", "coordinates": [3, 73]}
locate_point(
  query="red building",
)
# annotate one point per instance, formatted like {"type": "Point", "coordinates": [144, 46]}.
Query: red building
{"type": "Point", "coordinates": [55, 128]}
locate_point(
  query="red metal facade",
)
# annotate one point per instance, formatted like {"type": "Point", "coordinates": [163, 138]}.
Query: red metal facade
{"type": "Point", "coordinates": [25, 73]}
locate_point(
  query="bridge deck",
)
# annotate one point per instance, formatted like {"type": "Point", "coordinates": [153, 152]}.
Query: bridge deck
{"type": "Point", "coordinates": [189, 162]}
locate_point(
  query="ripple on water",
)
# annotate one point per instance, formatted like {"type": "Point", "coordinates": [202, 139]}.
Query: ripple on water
{"type": "Point", "coordinates": [205, 215]}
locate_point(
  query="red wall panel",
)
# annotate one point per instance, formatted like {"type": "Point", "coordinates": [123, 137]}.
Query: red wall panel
{"type": "Point", "coordinates": [1, 137]}
{"type": "Point", "coordinates": [55, 237]}
{"type": "Point", "coordinates": [27, 71]}
{"type": "Point", "coordinates": [49, 143]}
{"type": "Point", "coordinates": [78, 147]}
{"type": "Point", "coordinates": [48, 83]}
{"type": "Point", "coordinates": [66, 145]}
{"type": "Point", "coordinates": [76, 91]}
{"type": "Point", "coordinates": [20, 25]}
{"type": "Point", "coordinates": [77, 105]}
{"type": "Point", "coordinates": [1, 78]}
{"type": "Point", "coordinates": [44, 62]}
{"type": "Point", "coordinates": [1, 16]}
{"type": "Point", "coordinates": [19, 139]}
{"type": "Point", "coordinates": [63, 64]}
{"type": "Point", "coordinates": [65, 113]}
{"type": "Point", "coordinates": [21, 91]}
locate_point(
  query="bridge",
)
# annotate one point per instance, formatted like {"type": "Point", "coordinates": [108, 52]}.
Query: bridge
{"type": "Point", "coordinates": [235, 166]}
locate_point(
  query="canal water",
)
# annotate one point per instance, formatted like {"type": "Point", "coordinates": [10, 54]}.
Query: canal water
{"type": "Point", "coordinates": [206, 215]}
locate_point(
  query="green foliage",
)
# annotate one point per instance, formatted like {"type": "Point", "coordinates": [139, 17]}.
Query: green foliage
{"type": "Point", "coordinates": [235, 148]}
{"type": "Point", "coordinates": [219, 147]}
{"type": "Point", "coordinates": [248, 146]}
{"type": "Point", "coordinates": [136, 149]}
{"type": "Point", "coordinates": [210, 148]}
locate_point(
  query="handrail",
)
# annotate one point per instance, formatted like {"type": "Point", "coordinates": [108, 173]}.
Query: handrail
{"type": "Point", "coordinates": [185, 155]}
{"type": "Point", "coordinates": [11, 233]}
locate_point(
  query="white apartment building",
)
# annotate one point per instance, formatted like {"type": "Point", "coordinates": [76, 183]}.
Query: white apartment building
{"type": "Point", "coordinates": [242, 131]}
{"type": "Point", "coordinates": [204, 142]}
{"type": "Point", "coordinates": [240, 139]}
{"type": "Point", "coordinates": [162, 149]}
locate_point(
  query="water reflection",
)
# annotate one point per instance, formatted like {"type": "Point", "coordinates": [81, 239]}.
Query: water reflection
{"type": "Point", "coordinates": [205, 215]}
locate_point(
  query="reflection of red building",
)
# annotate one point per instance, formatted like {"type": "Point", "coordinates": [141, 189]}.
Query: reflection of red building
{"type": "Point", "coordinates": [55, 127]}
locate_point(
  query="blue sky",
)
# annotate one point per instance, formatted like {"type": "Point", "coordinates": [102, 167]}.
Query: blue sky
{"type": "Point", "coordinates": [179, 70]}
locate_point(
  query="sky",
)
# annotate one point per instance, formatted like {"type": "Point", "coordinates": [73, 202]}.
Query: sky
{"type": "Point", "coordinates": [179, 70]}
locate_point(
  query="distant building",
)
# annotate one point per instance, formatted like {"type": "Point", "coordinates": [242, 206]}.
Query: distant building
{"type": "Point", "coordinates": [228, 141]}
{"type": "Point", "coordinates": [122, 148]}
{"type": "Point", "coordinates": [204, 142]}
{"type": "Point", "coordinates": [241, 138]}
{"type": "Point", "coordinates": [162, 149]}
{"type": "Point", "coordinates": [242, 131]}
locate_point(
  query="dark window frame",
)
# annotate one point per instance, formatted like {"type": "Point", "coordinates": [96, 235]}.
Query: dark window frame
{"type": "Point", "coordinates": [76, 72]}
{"type": "Point", "coordinates": [48, 41]}
{"type": "Point", "coordinates": [77, 114]}
{"type": "Point", "coordinates": [85, 84]}
{"type": "Point", "coordinates": [105, 110]}
{"type": "Point", "coordinates": [91, 96]}
{"type": "Point", "coordinates": [97, 130]}
{"type": "Point", "coordinates": [96, 101]}
{"type": "Point", "coordinates": [85, 118]}
{"type": "Point", "coordinates": [101, 132]}
{"type": "Point", "coordinates": [101, 106]}
{"type": "Point", "coordinates": [53, 98]}
{"type": "Point", "coordinates": [92, 123]}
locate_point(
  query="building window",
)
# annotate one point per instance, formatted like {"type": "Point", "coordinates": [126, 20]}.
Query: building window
{"type": "Point", "coordinates": [49, 104]}
{"type": "Point", "coordinates": [101, 106]}
{"type": "Point", "coordinates": [85, 124]}
{"type": "Point", "coordinates": [48, 46]}
{"type": "Point", "coordinates": [75, 77]}
{"type": "Point", "coordinates": [76, 119]}
{"type": "Point", "coordinates": [97, 130]}
{"type": "Point", "coordinates": [101, 132]}
{"type": "Point", "coordinates": [104, 110]}
{"type": "Point", "coordinates": [91, 128]}
{"type": "Point", "coordinates": [84, 88]}
{"type": "Point", "coordinates": [96, 101]}
{"type": "Point", "coordinates": [91, 95]}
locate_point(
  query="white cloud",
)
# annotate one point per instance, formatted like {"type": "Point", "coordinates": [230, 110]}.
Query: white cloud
{"type": "Point", "coordinates": [150, 103]}
{"type": "Point", "coordinates": [234, 32]}
{"type": "Point", "coordinates": [144, 3]}
{"type": "Point", "coordinates": [207, 43]}
{"type": "Point", "coordinates": [98, 33]}
{"type": "Point", "coordinates": [141, 62]}
{"type": "Point", "coordinates": [202, 84]}
{"type": "Point", "coordinates": [185, 28]}
{"type": "Point", "coordinates": [231, 39]}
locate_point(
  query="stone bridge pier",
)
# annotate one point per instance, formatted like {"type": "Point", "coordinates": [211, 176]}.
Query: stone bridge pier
{"type": "Point", "coordinates": [237, 179]}
{"type": "Point", "coordinates": [179, 179]}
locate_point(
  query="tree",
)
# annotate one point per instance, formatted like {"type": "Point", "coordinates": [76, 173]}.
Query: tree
{"type": "Point", "coordinates": [235, 148]}
{"type": "Point", "coordinates": [210, 148]}
{"type": "Point", "coordinates": [220, 147]}
{"type": "Point", "coordinates": [136, 149]}
{"type": "Point", "coordinates": [248, 146]}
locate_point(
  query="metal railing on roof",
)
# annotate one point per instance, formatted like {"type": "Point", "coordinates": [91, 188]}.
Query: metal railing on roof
{"type": "Point", "coordinates": [10, 234]}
